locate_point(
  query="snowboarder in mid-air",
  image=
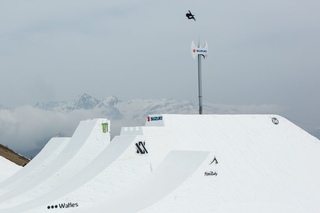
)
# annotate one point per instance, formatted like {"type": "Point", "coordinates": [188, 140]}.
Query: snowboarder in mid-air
{"type": "Point", "coordinates": [190, 15]}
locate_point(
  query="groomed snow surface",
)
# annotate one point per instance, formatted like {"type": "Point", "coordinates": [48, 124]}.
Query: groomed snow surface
{"type": "Point", "coordinates": [175, 163]}
{"type": "Point", "coordinates": [7, 168]}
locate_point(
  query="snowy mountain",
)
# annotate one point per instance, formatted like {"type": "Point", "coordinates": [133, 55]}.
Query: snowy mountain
{"type": "Point", "coordinates": [115, 108]}
{"type": "Point", "coordinates": [112, 104]}
{"type": "Point", "coordinates": [84, 102]}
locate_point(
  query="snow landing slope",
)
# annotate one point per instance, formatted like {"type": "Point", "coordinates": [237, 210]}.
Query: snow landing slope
{"type": "Point", "coordinates": [191, 163]}
{"type": "Point", "coordinates": [265, 164]}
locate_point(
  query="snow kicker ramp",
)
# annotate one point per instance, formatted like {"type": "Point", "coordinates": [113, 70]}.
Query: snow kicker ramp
{"type": "Point", "coordinates": [172, 172]}
{"type": "Point", "coordinates": [114, 169]}
{"type": "Point", "coordinates": [89, 139]}
{"type": "Point", "coordinates": [47, 155]}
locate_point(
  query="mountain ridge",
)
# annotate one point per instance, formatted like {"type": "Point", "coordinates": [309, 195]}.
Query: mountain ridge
{"type": "Point", "coordinates": [111, 105]}
{"type": "Point", "coordinates": [139, 108]}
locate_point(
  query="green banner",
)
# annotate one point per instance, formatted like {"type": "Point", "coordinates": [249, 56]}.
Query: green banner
{"type": "Point", "coordinates": [104, 127]}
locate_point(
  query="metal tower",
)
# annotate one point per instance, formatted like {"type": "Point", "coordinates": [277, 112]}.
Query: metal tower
{"type": "Point", "coordinates": [200, 52]}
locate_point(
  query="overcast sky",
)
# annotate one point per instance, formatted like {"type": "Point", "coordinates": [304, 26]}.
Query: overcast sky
{"type": "Point", "coordinates": [260, 52]}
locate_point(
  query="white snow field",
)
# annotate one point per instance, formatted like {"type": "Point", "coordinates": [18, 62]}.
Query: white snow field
{"type": "Point", "coordinates": [7, 169]}
{"type": "Point", "coordinates": [177, 163]}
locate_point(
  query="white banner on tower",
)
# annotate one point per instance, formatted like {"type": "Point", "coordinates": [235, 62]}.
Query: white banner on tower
{"type": "Point", "coordinates": [199, 50]}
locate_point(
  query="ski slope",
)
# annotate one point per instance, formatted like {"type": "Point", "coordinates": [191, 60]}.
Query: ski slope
{"type": "Point", "coordinates": [177, 163]}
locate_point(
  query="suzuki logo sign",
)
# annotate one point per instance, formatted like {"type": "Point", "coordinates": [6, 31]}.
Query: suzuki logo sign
{"type": "Point", "coordinates": [199, 50]}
